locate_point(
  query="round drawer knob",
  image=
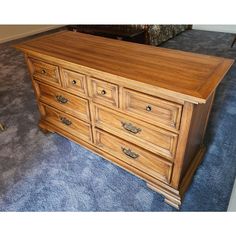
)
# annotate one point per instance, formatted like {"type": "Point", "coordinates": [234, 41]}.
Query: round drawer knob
{"type": "Point", "coordinates": [148, 108]}
{"type": "Point", "coordinates": [103, 92]}
{"type": "Point", "coordinates": [73, 81]}
{"type": "Point", "coordinates": [43, 71]}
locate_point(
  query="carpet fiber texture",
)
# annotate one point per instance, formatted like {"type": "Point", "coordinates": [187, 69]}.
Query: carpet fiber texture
{"type": "Point", "coordinates": [41, 172]}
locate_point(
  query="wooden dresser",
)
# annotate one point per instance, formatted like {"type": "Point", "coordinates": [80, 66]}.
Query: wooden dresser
{"type": "Point", "coordinates": [141, 107]}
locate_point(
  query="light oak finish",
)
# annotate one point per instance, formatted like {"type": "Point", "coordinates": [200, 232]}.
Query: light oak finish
{"type": "Point", "coordinates": [66, 122]}
{"type": "Point", "coordinates": [156, 110]}
{"type": "Point", "coordinates": [189, 75]}
{"type": "Point", "coordinates": [134, 155]}
{"type": "Point", "coordinates": [45, 72]}
{"type": "Point", "coordinates": [153, 138]}
{"type": "Point", "coordinates": [103, 92]}
{"type": "Point", "coordinates": [63, 101]}
{"type": "Point", "coordinates": [143, 108]}
{"type": "Point", "coordinates": [74, 82]}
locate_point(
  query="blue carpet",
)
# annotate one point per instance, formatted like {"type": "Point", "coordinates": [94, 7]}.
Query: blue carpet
{"type": "Point", "coordinates": [49, 173]}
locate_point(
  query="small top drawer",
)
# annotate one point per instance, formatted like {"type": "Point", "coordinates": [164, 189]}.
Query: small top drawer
{"type": "Point", "coordinates": [45, 71]}
{"type": "Point", "coordinates": [103, 92]}
{"type": "Point", "coordinates": [154, 110]}
{"type": "Point", "coordinates": [74, 82]}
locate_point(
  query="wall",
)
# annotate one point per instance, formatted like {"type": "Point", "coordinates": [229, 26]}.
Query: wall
{"type": "Point", "coordinates": [219, 28]}
{"type": "Point", "coordinates": [11, 32]}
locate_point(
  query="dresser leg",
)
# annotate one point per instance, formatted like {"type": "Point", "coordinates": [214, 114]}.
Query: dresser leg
{"type": "Point", "coordinates": [45, 131]}
{"type": "Point", "coordinates": [44, 128]}
{"type": "Point", "coordinates": [172, 196]}
{"type": "Point", "coordinates": [172, 203]}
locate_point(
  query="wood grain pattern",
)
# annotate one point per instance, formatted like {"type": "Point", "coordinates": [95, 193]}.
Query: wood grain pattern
{"type": "Point", "coordinates": [45, 72]}
{"type": "Point", "coordinates": [145, 161]}
{"type": "Point", "coordinates": [182, 143]}
{"type": "Point", "coordinates": [156, 110]}
{"type": "Point", "coordinates": [196, 133]}
{"type": "Point", "coordinates": [189, 74]}
{"type": "Point", "coordinates": [74, 82]}
{"type": "Point", "coordinates": [158, 185]}
{"type": "Point", "coordinates": [103, 92]}
{"type": "Point", "coordinates": [150, 137]}
{"type": "Point", "coordinates": [66, 122]}
{"type": "Point", "coordinates": [141, 107]}
{"type": "Point", "coordinates": [73, 105]}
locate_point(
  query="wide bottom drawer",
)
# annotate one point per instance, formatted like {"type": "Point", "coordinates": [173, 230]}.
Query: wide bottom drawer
{"type": "Point", "coordinates": [66, 122]}
{"type": "Point", "coordinates": [134, 155]}
{"type": "Point", "coordinates": [150, 137]}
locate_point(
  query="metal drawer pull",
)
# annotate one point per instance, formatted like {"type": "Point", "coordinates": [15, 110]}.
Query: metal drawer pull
{"type": "Point", "coordinates": [65, 121]}
{"type": "Point", "coordinates": [43, 71]}
{"type": "Point", "coordinates": [103, 92]}
{"type": "Point", "coordinates": [73, 81]}
{"type": "Point", "coordinates": [129, 153]}
{"type": "Point", "coordinates": [131, 128]}
{"type": "Point", "coordinates": [61, 99]}
{"type": "Point", "coordinates": [148, 108]}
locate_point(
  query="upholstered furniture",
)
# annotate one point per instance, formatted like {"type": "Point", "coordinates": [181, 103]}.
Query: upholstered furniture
{"type": "Point", "coordinates": [154, 34]}
{"type": "Point", "coordinates": [143, 108]}
{"type": "Point", "coordinates": [233, 41]}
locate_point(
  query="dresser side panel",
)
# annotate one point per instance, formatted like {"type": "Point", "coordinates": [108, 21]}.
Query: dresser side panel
{"type": "Point", "coordinates": [196, 133]}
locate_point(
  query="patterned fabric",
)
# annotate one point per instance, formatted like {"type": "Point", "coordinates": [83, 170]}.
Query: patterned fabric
{"type": "Point", "coordinates": [155, 34]}
{"type": "Point", "coordinates": [158, 34]}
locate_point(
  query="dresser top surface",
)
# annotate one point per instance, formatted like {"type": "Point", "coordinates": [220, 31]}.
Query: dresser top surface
{"type": "Point", "coordinates": [192, 75]}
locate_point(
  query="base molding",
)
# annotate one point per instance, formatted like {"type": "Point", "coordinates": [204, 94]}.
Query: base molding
{"type": "Point", "coordinates": [171, 198]}
{"type": "Point", "coordinates": [174, 197]}
{"type": "Point", "coordinates": [44, 128]}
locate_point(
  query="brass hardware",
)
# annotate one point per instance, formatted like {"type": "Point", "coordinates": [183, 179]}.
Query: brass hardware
{"type": "Point", "coordinates": [65, 121]}
{"type": "Point", "coordinates": [148, 108]}
{"type": "Point", "coordinates": [43, 71]}
{"type": "Point", "coordinates": [61, 99]}
{"type": "Point", "coordinates": [131, 128]}
{"type": "Point", "coordinates": [73, 81]}
{"type": "Point", "coordinates": [103, 92]}
{"type": "Point", "coordinates": [129, 153]}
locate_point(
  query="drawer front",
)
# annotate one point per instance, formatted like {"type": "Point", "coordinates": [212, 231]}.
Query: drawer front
{"type": "Point", "coordinates": [134, 155]}
{"type": "Point", "coordinates": [155, 110]}
{"type": "Point", "coordinates": [63, 101]}
{"type": "Point", "coordinates": [155, 139]}
{"type": "Point", "coordinates": [103, 92]}
{"type": "Point", "coordinates": [45, 72]}
{"type": "Point", "coordinates": [66, 122]}
{"type": "Point", "coordinates": [74, 82]}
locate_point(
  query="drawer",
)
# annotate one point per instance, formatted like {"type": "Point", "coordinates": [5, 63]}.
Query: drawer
{"type": "Point", "coordinates": [63, 101]}
{"type": "Point", "coordinates": [66, 122]}
{"type": "Point", "coordinates": [103, 92]}
{"type": "Point", "coordinates": [134, 155]}
{"type": "Point", "coordinates": [155, 139]}
{"type": "Point", "coordinates": [154, 110]}
{"type": "Point", "coordinates": [45, 72]}
{"type": "Point", "coordinates": [74, 82]}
